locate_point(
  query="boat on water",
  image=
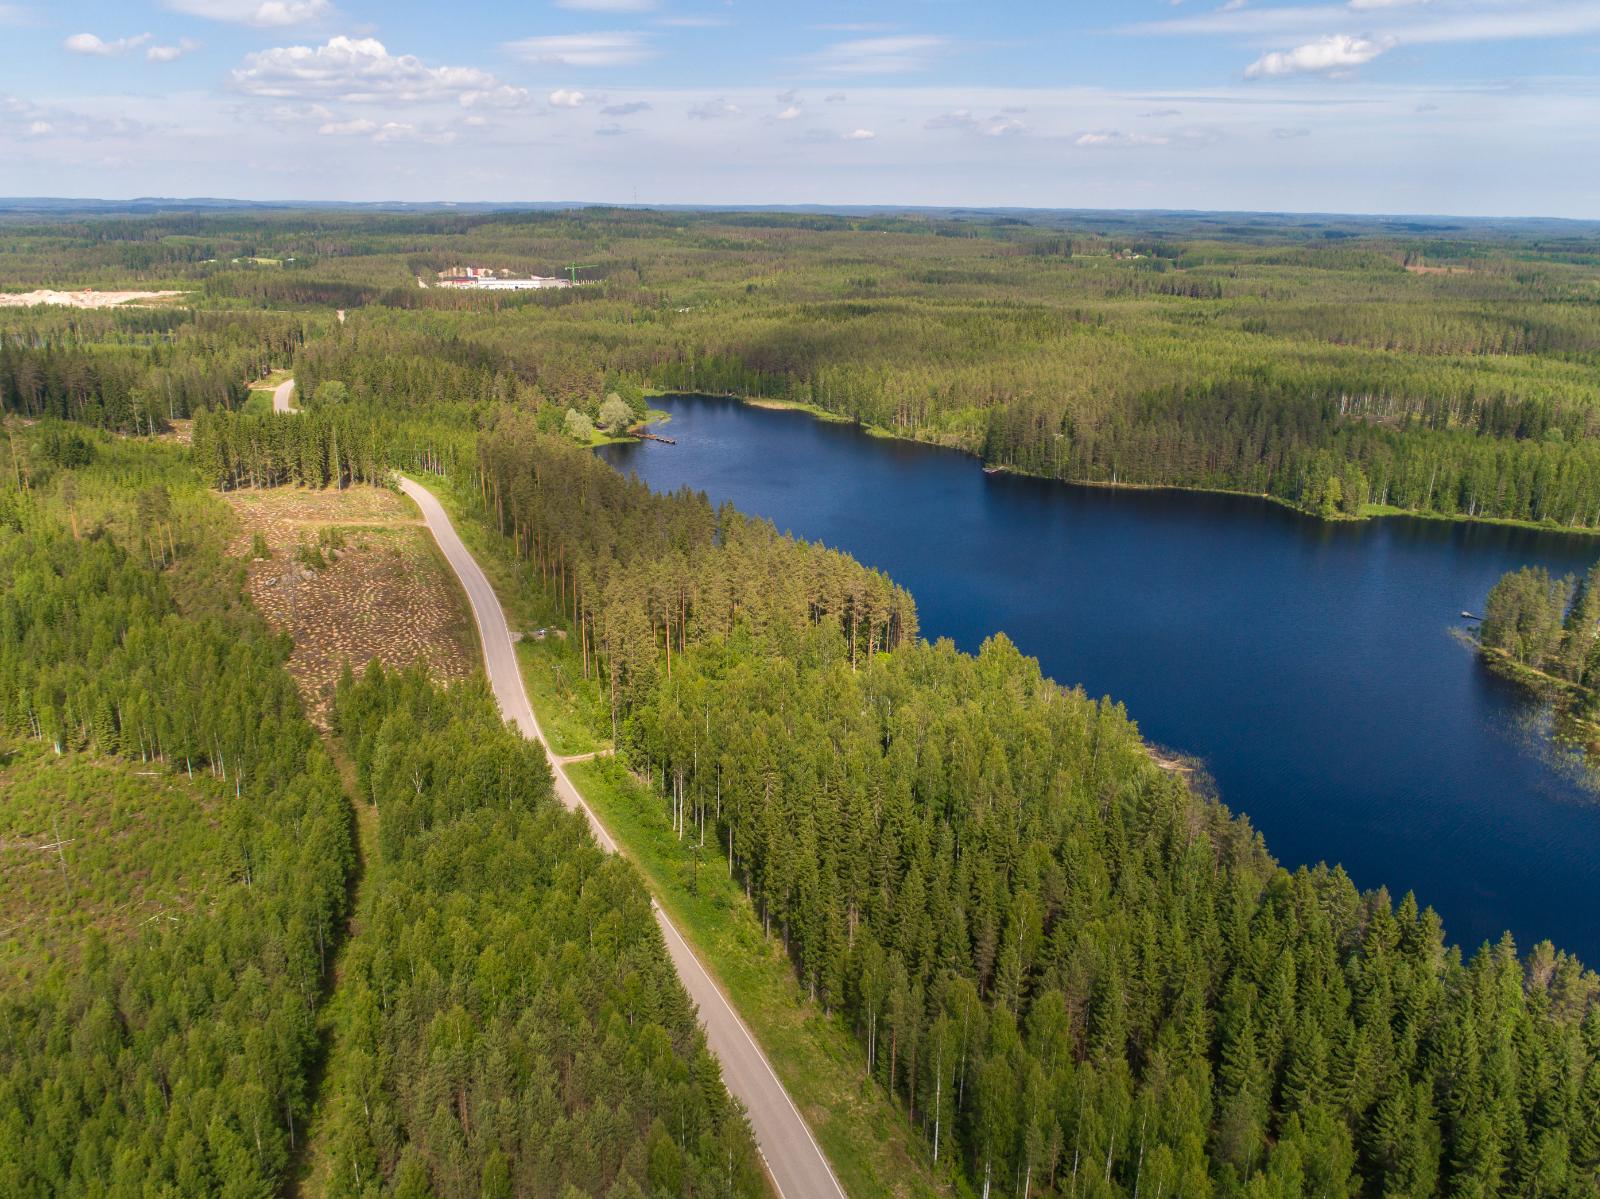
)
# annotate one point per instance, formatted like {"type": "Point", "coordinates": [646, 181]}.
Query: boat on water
{"type": "Point", "coordinates": [993, 470]}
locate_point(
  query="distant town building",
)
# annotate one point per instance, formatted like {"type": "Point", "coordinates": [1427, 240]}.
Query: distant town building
{"type": "Point", "coordinates": [487, 278]}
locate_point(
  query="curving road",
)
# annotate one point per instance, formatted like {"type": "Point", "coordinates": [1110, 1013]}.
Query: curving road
{"type": "Point", "coordinates": [794, 1160]}
{"type": "Point", "coordinates": [281, 395]}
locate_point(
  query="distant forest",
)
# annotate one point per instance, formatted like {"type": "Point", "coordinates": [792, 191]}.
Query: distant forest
{"type": "Point", "coordinates": [1341, 369]}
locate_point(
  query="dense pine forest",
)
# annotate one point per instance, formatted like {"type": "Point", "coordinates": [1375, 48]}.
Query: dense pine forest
{"type": "Point", "coordinates": [1073, 974]}
{"type": "Point", "coordinates": [513, 1025]}
{"type": "Point", "coordinates": [171, 1056]}
{"type": "Point", "coordinates": [159, 1014]}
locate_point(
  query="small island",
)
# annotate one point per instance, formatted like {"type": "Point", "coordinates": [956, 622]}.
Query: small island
{"type": "Point", "coordinates": [1546, 631]}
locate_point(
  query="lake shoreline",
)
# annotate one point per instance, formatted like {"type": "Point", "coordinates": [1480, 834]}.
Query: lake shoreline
{"type": "Point", "coordinates": [1563, 693]}
{"type": "Point", "coordinates": [1370, 512]}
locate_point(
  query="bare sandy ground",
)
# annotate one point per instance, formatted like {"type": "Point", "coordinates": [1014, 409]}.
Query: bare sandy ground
{"type": "Point", "coordinates": [80, 299]}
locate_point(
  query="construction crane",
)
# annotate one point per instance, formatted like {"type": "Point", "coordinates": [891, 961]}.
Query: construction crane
{"type": "Point", "coordinates": [574, 267]}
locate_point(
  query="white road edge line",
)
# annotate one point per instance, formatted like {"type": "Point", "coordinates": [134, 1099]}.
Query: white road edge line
{"type": "Point", "coordinates": [716, 986]}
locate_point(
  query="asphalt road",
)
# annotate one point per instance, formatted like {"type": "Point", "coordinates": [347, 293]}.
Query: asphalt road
{"type": "Point", "coordinates": [794, 1160]}
{"type": "Point", "coordinates": [281, 395]}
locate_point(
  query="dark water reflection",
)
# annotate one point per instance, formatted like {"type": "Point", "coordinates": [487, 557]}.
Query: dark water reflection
{"type": "Point", "coordinates": [1313, 667]}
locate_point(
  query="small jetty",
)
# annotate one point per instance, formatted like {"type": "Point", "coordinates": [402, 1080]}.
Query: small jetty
{"type": "Point", "coordinates": [642, 435]}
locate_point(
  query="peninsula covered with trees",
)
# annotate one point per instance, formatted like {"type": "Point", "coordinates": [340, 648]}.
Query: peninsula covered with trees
{"type": "Point", "coordinates": [1548, 625]}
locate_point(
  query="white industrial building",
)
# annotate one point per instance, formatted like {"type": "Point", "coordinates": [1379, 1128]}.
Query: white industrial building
{"type": "Point", "coordinates": [484, 278]}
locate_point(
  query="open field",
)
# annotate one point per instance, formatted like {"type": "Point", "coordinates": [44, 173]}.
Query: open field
{"type": "Point", "coordinates": [139, 844]}
{"type": "Point", "coordinates": [260, 401]}
{"type": "Point", "coordinates": [81, 299]}
{"type": "Point", "coordinates": [352, 576]}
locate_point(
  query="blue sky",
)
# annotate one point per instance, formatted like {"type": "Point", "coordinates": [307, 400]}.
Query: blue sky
{"type": "Point", "coordinates": [1476, 107]}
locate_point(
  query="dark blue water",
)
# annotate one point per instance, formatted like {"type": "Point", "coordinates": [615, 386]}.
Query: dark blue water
{"type": "Point", "coordinates": [1311, 666]}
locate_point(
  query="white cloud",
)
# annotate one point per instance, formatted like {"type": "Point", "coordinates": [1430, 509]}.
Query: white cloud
{"type": "Point", "coordinates": [1412, 22]}
{"type": "Point", "coordinates": [1002, 124]}
{"type": "Point", "coordinates": [789, 113]}
{"type": "Point", "coordinates": [860, 135]}
{"type": "Point", "coordinates": [712, 110]}
{"type": "Point", "coordinates": [266, 14]}
{"type": "Point", "coordinates": [25, 119]}
{"type": "Point", "coordinates": [626, 109]}
{"type": "Point", "coordinates": [386, 131]}
{"type": "Point", "coordinates": [361, 70]}
{"type": "Point", "coordinates": [348, 128]}
{"type": "Point", "coordinates": [88, 43]}
{"type": "Point", "coordinates": [502, 95]}
{"type": "Point", "coordinates": [1338, 52]}
{"type": "Point", "coordinates": [584, 49]}
{"type": "Point", "coordinates": [171, 53]}
{"type": "Point", "coordinates": [1116, 138]}
{"type": "Point", "coordinates": [566, 98]}
{"type": "Point", "coordinates": [897, 55]}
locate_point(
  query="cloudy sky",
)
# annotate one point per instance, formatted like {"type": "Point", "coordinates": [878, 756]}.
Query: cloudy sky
{"type": "Point", "coordinates": [1476, 107]}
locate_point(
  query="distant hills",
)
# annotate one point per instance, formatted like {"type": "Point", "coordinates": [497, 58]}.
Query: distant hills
{"type": "Point", "coordinates": [1184, 223]}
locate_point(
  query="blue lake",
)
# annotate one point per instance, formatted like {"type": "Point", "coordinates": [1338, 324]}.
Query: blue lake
{"type": "Point", "coordinates": [1316, 669]}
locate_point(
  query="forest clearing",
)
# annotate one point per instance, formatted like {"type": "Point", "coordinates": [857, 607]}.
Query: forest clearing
{"type": "Point", "coordinates": [352, 576]}
{"type": "Point", "coordinates": [97, 844]}
{"type": "Point", "coordinates": [88, 298]}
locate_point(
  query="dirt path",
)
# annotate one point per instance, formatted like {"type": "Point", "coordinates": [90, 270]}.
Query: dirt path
{"type": "Point", "coordinates": [308, 1171]}
{"type": "Point", "coordinates": [573, 759]}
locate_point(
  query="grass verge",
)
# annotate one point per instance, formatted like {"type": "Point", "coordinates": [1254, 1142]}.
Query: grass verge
{"type": "Point", "coordinates": [866, 1137]}
{"type": "Point", "coordinates": [568, 705]}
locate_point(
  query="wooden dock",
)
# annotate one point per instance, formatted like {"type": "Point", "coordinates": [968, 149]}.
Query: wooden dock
{"type": "Point", "coordinates": [644, 436]}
